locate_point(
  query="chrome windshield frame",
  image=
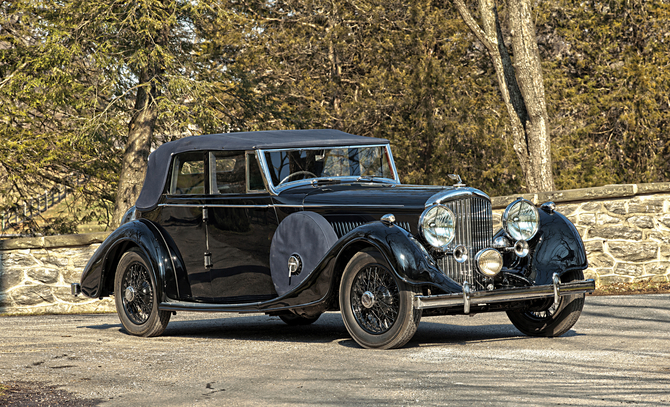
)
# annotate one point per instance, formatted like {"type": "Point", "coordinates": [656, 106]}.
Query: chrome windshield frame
{"type": "Point", "coordinates": [275, 190]}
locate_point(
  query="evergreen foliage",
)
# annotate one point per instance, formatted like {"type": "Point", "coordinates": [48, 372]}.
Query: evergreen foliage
{"type": "Point", "coordinates": [406, 71]}
{"type": "Point", "coordinates": [72, 75]}
{"type": "Point", "coordinates": [409, 71]}
{"type": "Point", "coordinates": [607, 71]}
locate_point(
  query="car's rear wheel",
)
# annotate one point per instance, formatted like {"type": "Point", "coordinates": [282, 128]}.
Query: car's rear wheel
{"type": "Point", "coordinates": [297, 320]}
{"type": "Point", "coordinates": [554, 319]}
{"type": "Point", "coordinates": [135, 296]}
{"type": "Point", "coordinates": [377, 307]}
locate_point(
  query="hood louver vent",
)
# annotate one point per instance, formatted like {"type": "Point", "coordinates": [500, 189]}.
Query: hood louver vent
{"type": "Point", "coordinates": [342, 228]}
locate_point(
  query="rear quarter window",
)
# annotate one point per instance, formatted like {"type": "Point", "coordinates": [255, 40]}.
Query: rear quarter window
{"type": "Point", "coordinates": [188, 175]}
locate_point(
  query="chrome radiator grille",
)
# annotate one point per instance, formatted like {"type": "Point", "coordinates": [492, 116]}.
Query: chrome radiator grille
{"type": "Point", "coordinates": [474, 230]}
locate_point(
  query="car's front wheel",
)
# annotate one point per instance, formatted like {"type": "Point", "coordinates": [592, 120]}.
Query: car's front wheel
{"type": "Point", "coordinates": [553, 319]}
{"type": "Point", "coordinates": [135, 296]}
{"type": "Point", "coordinates": [377, 307]}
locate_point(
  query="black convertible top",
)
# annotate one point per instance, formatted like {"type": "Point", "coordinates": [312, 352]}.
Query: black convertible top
{"type": "Point", "coordinates": [159, 160]}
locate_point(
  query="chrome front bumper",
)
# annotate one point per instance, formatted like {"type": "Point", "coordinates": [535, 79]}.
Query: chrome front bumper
{"type": "Point", "coordinates": [468, 297]}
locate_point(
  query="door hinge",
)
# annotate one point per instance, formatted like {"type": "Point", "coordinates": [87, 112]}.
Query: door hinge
{"type": "Point", "coordinates": [208, 260]}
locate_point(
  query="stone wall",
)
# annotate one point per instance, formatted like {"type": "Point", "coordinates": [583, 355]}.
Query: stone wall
{"type": "Point", "coordinates": [625, 228]}
{"type": "Point", "coordinates": [626, 231]}
{"type": "Point", "coordinates": [35, 275]}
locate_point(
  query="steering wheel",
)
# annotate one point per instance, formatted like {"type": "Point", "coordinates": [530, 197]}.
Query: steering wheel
{"type": "Point", "coordinates": [297, 173]}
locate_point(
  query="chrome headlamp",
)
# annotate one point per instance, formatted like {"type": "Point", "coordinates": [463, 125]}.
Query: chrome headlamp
{"type": "Point", "coordinates": [437, 226]}
{"type": "Point", "coordinates": [521, 220]}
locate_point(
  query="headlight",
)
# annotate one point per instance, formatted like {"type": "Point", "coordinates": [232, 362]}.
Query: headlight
{"type": "Point", "coordinates": [437, 226]}
{"type": "Point", "coordinates": [521, 220]}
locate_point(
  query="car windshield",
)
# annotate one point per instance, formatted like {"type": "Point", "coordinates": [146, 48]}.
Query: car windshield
{"type": "Point", "coordinates": [291, 165]}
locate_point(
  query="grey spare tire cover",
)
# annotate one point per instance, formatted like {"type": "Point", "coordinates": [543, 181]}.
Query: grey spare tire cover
{"type": "Point", "coordinates": [307, 234]}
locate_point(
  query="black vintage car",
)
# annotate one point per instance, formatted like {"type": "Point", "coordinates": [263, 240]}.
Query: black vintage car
{"type": "Point", "coordinates": [296, 223]}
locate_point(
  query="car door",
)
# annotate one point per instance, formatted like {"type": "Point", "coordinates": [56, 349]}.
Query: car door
{"type": "Point", "coordinates": [182, 218]}
{"type": "Point", "coordinates": [240, 224]}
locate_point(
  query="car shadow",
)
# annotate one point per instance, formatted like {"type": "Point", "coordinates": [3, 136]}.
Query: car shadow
{"type": "Point", "coordinates": [102, 327]}
{"type": "Point", "coordinates": [436, 334]}
{"type": "Point", "coordinates": [329, 328]}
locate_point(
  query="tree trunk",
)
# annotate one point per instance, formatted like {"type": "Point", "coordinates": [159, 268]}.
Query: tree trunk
{"type": "Point", "coordinates": [335, 71]}
{"type": "Point", "coordinates": [138, 147]}
{"type": "Point", "coordinates": [521, 85]}
{"type": "Point", "coordinates": [537, 144]}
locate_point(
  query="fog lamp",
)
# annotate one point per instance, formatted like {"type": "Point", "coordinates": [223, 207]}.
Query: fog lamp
{"type": "Point", "coordinates": [489, 262]}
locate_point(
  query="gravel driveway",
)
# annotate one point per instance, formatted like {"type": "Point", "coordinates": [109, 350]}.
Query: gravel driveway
{"type": "Point", "coordinates": [617, 354]}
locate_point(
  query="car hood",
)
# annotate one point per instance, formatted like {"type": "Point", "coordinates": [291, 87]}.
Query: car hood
{"type": "Point", "coordinates": [375, 195]}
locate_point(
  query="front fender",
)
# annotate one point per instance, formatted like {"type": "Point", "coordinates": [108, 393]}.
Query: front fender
{"type": "Point", "coordinates": [97, 279]}
{"type": "Point", "coordinates": [406, 256]}
{"type": "Point", "coordinates": [557, 248]}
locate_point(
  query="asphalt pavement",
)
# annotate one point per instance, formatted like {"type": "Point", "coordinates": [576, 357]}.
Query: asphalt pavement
{"type": "Point", "coordinates": [618, 353]}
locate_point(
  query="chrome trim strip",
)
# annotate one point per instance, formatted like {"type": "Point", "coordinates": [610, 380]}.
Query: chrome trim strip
{"type": "Point", "coordinates": [513, 294]}
{"type": "Point", "coordinates": [215, 206]}
{"type": "Point", "coordinates": [394, 169]}
{"type": "Point", "coordinates": [266, 172]}
{"type": "Point", "coordinates": [282, 206]}
{"type": "Point", "coordinates": [454, 194]}
{"type": "Point", "coordinates": [338, 206]}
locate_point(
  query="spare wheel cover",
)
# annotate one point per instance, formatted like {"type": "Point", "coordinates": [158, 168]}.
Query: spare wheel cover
{"type": "Point", "coordinates": [304, 235]}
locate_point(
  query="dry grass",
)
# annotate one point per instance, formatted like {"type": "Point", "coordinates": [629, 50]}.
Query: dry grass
{"type": "Point", "coordinates": [637, 287]}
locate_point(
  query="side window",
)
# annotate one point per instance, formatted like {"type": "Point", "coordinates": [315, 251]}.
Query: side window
{"type": "Point", "coordinates": [255, 181]}
{"type": "Point", "coordinates": [228, 172]}
{"type": "Point", "coordinates": [188, 174]}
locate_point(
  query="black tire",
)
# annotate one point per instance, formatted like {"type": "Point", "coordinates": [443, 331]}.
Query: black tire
{"type": "Point", "coordinates": [136, 298]}
{"type": "Point", "coordinates": [552, 320]}
{"type": "Point", "coordinates": [297, 320]}
{"type": "Point", "coordinates": [377, 307]}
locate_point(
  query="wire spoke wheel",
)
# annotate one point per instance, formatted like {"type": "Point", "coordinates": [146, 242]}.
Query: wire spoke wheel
{"type": "Point", "coordinates": [553, 319]}
{"type": "Point", "coordinates": [545, 314]}
{"type": "Point", "coordinates": [138, 295]}
{"type": "Point", "coordinates": [375, 299]}
{"type": "Point", "coordinates": [377, 307]}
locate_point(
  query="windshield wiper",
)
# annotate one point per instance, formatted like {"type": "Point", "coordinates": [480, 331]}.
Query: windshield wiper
{"type": "Point", "coordinates": [321, 181]}
{"type": "Point", "coordinates": [369, 179]}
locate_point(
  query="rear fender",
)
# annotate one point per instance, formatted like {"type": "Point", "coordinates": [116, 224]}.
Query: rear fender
{"type": "Point", "coordinates": [97, 280]}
